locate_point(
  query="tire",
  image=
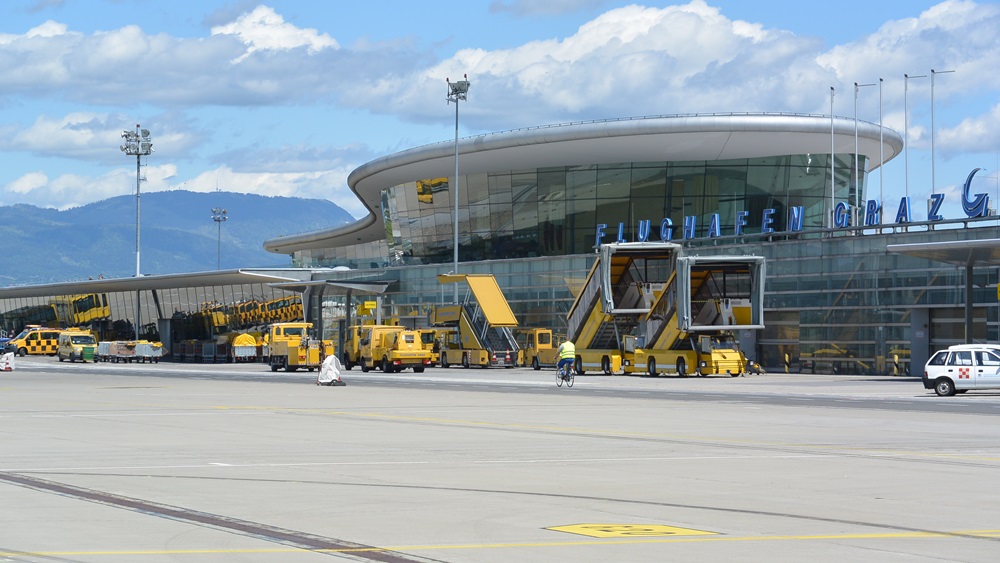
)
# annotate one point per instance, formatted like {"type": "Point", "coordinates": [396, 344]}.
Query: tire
{"type": "Point", "coordinates": [681, 367]}
{"type": "Point", "coordinates": [62, 359]}
{"type": "Point", "coordinates": [418, 369]}
{"type": "Point", "coordinates": [22, 352]}
{"type": "Point", "coordinates": [606, 365]}
{"type": "Point", "coordinates": [347, 363]}
{"type": "Point", "coordinates": [465, 361]}
{"type": "Point", "coordinates": [444, 360]}
{"type": "Point", "coordinates": [559, 379]}
{"type": "Point", "coordinates": [579, 366]}
{"type": "Point", "coordinates": [386, 366]}
{"type": "Point", "coordinates": [944, 387]}
{"type": "Point", "coordinates": [364, 365]}
{"type": "Point", "coordinates": [569, 382]}
{"type": "Point", "coordinates": [651, 368]}
{"type": "Point", "coordinates": [535, 364]}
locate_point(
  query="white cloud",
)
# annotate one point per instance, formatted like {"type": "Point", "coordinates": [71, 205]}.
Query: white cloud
{"type": "Point", "coordinates": [979, 134]}
{"type": "Point", "coordinates": [265, 29]}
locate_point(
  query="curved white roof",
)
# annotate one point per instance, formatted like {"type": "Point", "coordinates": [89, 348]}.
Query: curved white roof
{"type": "Point", "coordinates": [641, 139]}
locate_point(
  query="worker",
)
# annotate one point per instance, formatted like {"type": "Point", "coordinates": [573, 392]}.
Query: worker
{"type": "Point", "coordinates": [567, 354]}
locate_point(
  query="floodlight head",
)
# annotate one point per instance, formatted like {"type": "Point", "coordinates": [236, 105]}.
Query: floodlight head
{"type": "Point", "coordinates": [146, 148]}
{"type": "Point", "coordinates": [145, 133]}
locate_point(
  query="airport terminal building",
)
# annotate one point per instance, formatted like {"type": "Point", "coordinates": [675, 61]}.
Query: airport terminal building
{"type": "Point", "coordinates": [852, 286]}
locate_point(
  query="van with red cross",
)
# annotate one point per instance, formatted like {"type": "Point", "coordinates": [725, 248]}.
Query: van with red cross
{"type": "Point", "coordinates": [963, 367]}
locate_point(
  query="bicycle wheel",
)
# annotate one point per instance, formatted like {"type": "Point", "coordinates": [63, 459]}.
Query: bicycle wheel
{"type": "Point", "coordinates": [570, 380]}
{"type": "Point", "coordinates": [559, 379]}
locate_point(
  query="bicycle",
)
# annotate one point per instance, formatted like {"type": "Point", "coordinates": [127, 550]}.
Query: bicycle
{"type": "Point", "coordinates": [566, 374]}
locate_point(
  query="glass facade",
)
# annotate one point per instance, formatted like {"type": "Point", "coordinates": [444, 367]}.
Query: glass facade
{"type": "Point", "coordinates": [554, 211]}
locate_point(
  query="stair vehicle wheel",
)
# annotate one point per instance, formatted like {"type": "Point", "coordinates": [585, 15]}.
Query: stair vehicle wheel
{"type": "Point", "coordinates": [465, 361]}
{"type": "Point", "coordinates": [651, 367]}
{"type": "Point", "coordinates": [579, 366]}
{"type": "Point", "coordinates": [386, 366]}
{"type": "Point", "coordinates": [535, 364]}
{"type": "Point", "coordinates": [681, 367]}
{"type": "Point", "coordinates": [444, 360]}
{"type": "Point", "coordinates": [364, 365]}
{"type": "Point", "coordinates": [606, 365]}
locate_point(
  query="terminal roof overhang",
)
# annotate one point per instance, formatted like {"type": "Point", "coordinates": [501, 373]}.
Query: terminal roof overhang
{"type": "Point", "coordinates": [968, 253]}
{"type": "Point", "coordinates": [646, 139]}
{"type": "Point", "coordinates": [160, 282]}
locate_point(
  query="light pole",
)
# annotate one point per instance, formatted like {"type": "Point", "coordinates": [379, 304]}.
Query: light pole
{"type": "Point", "coordinates": [933, 178]}
{"type": "Point", "coordinates": [833, 150]}
{"type": "Point", "coordinates": [219, 215]}
{"type": "Point", "coordinates": [457, 91]}
{"type": "Point", "coordinates": [906, 135]}
{"type": "Point", "coordinates": [137, 143]}
{"type": "Point", "coordinates": [857, 164]}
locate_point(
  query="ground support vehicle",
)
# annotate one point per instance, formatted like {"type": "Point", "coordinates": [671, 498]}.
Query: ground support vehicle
{"type": "Point", "coordinates": [436, 339]}
{"type": "Point", "coordinates": [645, 308]}
{"type": "Point", "coordinates": [290, 347]}
{"type": "Point", "coordinates": [539, 348]}
{"type": "Point", "coordinates": [146, 351]}
{"type": "Point", "coordinates": [35, 340]}
{"type": "Point", "coordinates": [76, 345]}
{"type": "Point", "coordinates": [482, 323]}
{"type": "Point", "coordinates": [963, 367]}
{"type": "Point", "coordinates": [116, 351]}
{"type": "Point", "coordinates": [352, 347]}
{"type": "Point", "coordinates": [393, 348]}
{"type": "Point", "coordinates": [243, 348]}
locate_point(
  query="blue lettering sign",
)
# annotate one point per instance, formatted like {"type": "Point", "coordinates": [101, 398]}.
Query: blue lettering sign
{"type": "Point", "coordinates": [841, 218]}
{"type": "Point", "coordinates": [933, 206]}
{"type": "Point", "coordinates": [978, 206]}
{"type": "Point", "coordinates": [767, 220]}
{"type": "Point", "coordinates": [714, 226]}
{"type": "Point", "coordinates": [904, 215]}
{"type": "Point", "coordinates": [690, 221]}
{"type": "Point", "coordinates": [666, 229]}
{"type": "Point", "coordinates": [600, 234]}
{"type": "Point", "coordinates": [644, 230]}
{"type": "Point", "coordinates": [873, 213]}
{"type": "Point", "coordinates": [621, 232]}
{"type": "Point", "coordinates": [796, 215]}
{"type": "Point", "coordinates": [741, 221]}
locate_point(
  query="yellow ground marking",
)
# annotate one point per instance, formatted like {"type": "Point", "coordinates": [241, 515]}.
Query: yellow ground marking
{"type": "Point", "coordinates": [627, 530]}
{"type": "Point", "coordinates": [963, 534]}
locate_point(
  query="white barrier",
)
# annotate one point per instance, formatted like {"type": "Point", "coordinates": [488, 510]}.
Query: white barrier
{"type": "Point", "coordinates": [7, 362]}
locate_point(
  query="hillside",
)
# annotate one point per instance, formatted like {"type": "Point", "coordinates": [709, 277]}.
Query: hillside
{"type": "Point", "coordinates": [177, 235]}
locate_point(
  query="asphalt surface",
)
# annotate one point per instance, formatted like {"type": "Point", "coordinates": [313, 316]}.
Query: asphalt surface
{"type": "Point", "coordinates": [205, 463]}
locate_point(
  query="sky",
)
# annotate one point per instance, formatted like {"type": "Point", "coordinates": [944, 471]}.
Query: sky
{"type": "Point", "coordinates": [287, 97]}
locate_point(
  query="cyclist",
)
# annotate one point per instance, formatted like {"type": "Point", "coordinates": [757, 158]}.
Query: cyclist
{"type": "Point", "coordinates": [567, 353]}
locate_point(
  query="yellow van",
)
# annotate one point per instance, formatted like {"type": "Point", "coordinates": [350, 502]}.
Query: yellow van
{"type": "Point", "coordinates": [76, 345]}
{"type": "Point", "coordinates": [35, 340]}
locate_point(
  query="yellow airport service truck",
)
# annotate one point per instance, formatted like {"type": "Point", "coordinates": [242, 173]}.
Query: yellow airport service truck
{"type": "Point", "coordinates": [482, 323]}
{"type": "Point", "coordinates": [539, 347]}
{"type": "Point", "coordinates": [290, 347]}
{"type": "Point", "coordinates": [646, 308]}
{"type": "Point", "coordinates": [76, 345]}
{"type": "Point", "coordinates": [393, 348]}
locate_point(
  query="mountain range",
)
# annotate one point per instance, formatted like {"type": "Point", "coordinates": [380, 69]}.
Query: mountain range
{"type": "Point", "coordinates": [177, 234]}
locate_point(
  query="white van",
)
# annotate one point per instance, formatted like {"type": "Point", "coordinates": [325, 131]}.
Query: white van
{"type": "Point", "coordinates": [963, 367]}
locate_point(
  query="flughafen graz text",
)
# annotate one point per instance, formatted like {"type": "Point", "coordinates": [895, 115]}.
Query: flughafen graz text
{"type": "Point", "coordinates": [977, 206]}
